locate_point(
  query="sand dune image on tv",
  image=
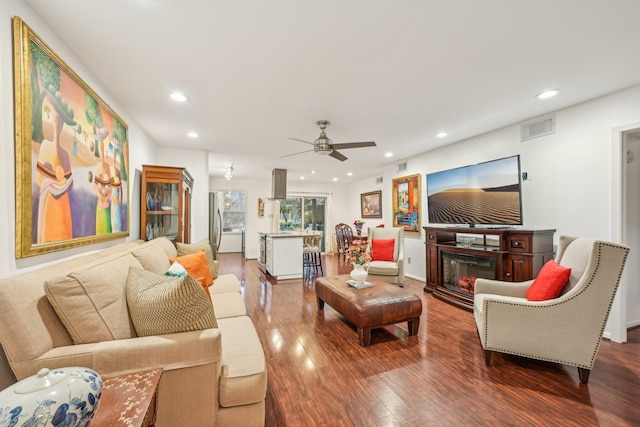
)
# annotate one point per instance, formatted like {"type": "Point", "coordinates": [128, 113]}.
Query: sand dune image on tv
{"type": "Point", "coordinates": [485, 193]}
{"type": "Point", "coordinates": [475, 206]}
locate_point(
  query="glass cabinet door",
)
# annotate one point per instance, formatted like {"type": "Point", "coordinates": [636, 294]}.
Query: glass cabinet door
{"type": "Point", "coordinates": [165, 205]}
{"type": "Point", "coordinates": [163, 213]}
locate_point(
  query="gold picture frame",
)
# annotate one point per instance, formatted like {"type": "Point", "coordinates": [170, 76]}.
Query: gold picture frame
{"type": "Point", "coordinates": [406, 202]}
{"type": "Point", "coordinates": [71, 153]}
{"type": "Point", "coordinates": [371, 204]}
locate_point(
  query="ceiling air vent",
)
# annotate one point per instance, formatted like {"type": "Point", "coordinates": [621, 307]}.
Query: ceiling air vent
{"type": "Point", "coordinates": [538, 127]}
{"type": "Point", "coordinates": [402, 167]}
{"type": "Point", "coordinates": [378, 180]}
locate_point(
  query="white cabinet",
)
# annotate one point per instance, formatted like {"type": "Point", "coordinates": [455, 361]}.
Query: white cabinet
{"type": "Point", "coordinates": [284, 256]}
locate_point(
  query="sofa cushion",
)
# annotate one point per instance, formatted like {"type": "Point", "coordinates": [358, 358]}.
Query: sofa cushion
{"type": "Point", "coordinates": [243, 379]}
{"type": "Point", "coordinates": [228, 304]}
{"type": "Point", "coordinates": [196, 265]}
{"type": "Point", "coordinates": [226, 295]}
{"type": "Point", "coordinates": [91, 303]}
{"type": "Point", "coordinates": [189, 248]}
{"type": "Point", "coordinates": [154, 255]}
{"type": "Point", "coordinates": [226, 283]}
{"type": "Point", "coordinates": [164, 305]}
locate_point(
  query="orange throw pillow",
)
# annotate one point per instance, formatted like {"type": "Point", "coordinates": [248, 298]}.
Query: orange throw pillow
{"type": "Point", "coordinates": [197, 266]}
{"type": "Point", "coordinates": [550, 281]}
{"type": "Point", "coordinates": [382, 249]}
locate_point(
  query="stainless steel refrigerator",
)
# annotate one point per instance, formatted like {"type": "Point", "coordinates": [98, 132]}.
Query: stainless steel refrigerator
{"type": "Point", "coordinates": [215, 221]}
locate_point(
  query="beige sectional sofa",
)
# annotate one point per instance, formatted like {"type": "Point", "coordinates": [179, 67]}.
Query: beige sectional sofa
{"type": "Point", "coordinates": [212, 377]}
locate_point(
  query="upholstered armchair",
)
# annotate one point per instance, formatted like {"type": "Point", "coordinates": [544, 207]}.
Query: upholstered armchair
{"type": "Point", "coordinates": [567, 329]}
{"type": "Point", "coordinates": [391, 270]}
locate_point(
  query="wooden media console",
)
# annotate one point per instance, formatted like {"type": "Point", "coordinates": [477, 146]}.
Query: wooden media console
{"type": "Point", "coordinates": [508, 254]}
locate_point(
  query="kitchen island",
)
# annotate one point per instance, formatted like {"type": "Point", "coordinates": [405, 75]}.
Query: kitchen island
{"type": "Point", "coordinates": [281, 255]}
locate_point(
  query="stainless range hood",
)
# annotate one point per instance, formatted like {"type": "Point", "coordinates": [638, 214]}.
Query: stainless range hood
{"type": "Point", "coordinates": [279, 184]}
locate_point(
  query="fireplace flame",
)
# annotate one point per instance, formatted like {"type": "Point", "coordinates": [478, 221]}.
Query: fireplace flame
{"type": "Point", "coordinates": [467, 284]}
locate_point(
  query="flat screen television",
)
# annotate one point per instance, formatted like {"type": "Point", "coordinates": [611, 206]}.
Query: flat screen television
{"type": "Point", "coordinates": [486, 193]}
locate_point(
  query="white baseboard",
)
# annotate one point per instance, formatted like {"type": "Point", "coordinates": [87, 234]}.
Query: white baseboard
{"type": "Point", "coordinates": [633, 324]}
{"type": "Point", "coordinates": [420, 279]}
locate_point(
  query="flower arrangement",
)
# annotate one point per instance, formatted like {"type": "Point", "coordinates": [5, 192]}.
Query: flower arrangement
{"type": "Point", "coordinates": [358, 223]}
{"type": "Point", "coordinates": [358, 254]}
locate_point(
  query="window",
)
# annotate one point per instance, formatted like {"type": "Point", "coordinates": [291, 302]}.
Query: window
{"type": "Point", "coordinates": [233, 210]}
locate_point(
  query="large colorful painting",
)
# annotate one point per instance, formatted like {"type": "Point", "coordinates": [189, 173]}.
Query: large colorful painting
{"type": "Point", "coordinates": [72, 163]}
{"type": "Point", "coordinates": [406, 203]}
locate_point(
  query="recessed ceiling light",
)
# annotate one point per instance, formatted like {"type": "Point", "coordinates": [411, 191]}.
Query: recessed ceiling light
{"type": "Point", "coordinates": [178, 96]}
{"type": "Point", "coordinates": [388, 154]}
{"type": "Point", "coordinates": [302, 177]}
{"type": "Point", "coordinates": [349, 173]}
{"type": "Point", "coordinates": [313, 171]}
{"type": "Point", "coordinates": [548, 94]}
{"type": "Point", "coordinates": [335, 179]}
{"type": "Point", "coordinates": [192, 134]}
{"type": "Point", "coordinates": [441, 134]}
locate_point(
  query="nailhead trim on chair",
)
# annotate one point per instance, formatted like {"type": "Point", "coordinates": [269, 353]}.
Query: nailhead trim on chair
{"type": "Point", "coordinates": [564, 362]}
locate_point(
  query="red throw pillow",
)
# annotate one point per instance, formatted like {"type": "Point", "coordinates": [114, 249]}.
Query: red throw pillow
{"type": "Point", "coordinates": [550, 281]}
{"type": "Point", "coordinates": [382, 249]}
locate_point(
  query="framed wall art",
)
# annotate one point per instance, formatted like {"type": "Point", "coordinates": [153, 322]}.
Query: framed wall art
{"type": "Point", "coordinates": [260, 207]}
{"type": "Point", "coordinates": [71, 152]}
{"type": "Point", "coordinates": [406, 203]}
{"type": "Point", "coordinates": [371, 204]}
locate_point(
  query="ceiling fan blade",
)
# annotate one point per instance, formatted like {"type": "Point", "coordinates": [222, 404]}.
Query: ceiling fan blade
{"type": "Point", "coordinates": [289, 155]}
{"type": "Point", "coordinates": [353, 145]}
{"type": "Point", "coordinates": [306, 142]}
{"type": "Point", "coordinates": [338, 156]}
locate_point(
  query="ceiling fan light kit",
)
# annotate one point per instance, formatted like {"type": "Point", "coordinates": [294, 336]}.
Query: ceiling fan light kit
{"type": "Point", "coordinates": [323, 145]}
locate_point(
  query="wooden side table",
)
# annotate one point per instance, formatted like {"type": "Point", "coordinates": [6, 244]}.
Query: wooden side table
{"type": "Point", "coordinates": [129, 400]}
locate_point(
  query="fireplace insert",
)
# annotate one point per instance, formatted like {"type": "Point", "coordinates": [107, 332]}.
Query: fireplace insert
{"type": "Point", "coordinates": [460, 271]}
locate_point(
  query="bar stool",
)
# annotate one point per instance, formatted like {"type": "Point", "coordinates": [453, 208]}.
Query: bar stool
{"type": "Point", "coordinates": [311, 252]}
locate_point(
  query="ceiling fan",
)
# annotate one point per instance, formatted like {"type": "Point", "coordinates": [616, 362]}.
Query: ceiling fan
{"type": "Point", "coordinates": [323, 145]}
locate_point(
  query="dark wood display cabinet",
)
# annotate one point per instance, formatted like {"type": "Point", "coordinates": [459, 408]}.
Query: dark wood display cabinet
{"type": "Point", "coordinates": [165, 203]}
{"type": "Point", "coordinates": [508, 254]}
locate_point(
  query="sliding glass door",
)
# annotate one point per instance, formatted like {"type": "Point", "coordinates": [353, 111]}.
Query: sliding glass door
{"type": "Point", "coordinates": [302, 213]}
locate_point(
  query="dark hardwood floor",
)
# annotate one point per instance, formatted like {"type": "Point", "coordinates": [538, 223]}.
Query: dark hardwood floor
{"type": "Point", "coordinates": [320, 376]}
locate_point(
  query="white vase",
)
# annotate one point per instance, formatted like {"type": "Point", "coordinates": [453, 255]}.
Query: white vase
{"type": "Point", "coordinates": [62, 396]}
{"type": "Point", "coordinates": [359, 273]}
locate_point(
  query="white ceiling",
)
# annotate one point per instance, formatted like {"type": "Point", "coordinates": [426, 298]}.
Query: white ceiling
{"type": "Point", "coordinates": [396, 72]}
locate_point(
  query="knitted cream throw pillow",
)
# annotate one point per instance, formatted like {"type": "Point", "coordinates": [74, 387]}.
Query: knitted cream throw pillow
{"type": "Point", "coordinates": [161, 304]}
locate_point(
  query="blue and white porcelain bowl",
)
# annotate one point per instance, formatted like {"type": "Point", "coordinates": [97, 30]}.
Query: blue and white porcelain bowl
{"type": "Point", "coordinates": [60, 397]}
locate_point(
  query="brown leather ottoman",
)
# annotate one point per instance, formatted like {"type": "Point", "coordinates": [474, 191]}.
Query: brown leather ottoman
{"type": "Point", "coordinates": [367, 308]}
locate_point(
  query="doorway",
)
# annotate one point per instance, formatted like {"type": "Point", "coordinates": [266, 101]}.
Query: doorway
{"type": "Point", "coordinates": [625, 210]}
{"type": "Point", "coordinates": [631, 225]}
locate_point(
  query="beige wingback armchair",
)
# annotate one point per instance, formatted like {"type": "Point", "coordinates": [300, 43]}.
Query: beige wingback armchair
{"type": "Point", "coordinates": [389, 271]}
{"type": "Point", "coordinates": [567, 329]}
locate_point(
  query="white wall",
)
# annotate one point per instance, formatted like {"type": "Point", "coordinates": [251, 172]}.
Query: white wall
{"type": "Point", "coordinates": [197, 163]}
{"type": "Point", "coordinates": [141, 149]}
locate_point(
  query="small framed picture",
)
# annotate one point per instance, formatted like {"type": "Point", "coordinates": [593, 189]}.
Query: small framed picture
{"type": "Point", "coordinates": [371, 204]}
{"type": "Point", "coordinates": [260, 207]}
